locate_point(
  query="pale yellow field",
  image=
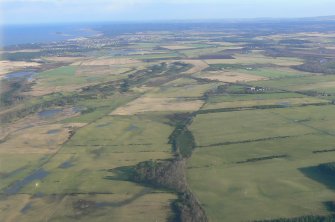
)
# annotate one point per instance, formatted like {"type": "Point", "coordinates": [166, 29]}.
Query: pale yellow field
{"type": "Point", "coordinates": [177, 47]}
{"type": "Point", "coordinates": [315, 34]}
{"type": "Point", "coordinates": [107, 61]}
{"type": "Point", "coordinates": [151, 104]}
{"type": "Point", "coordinates": [231, 77]}
{"type": "Point", "coordinates": [12, 66]}
{"type": "Point", "coordinates": [287, 101]}
{"type": "Point", "coordinates": [198, 66]}
{"type": "Point", "coordinates": [39, 139]}
{"type": "Point", "coordinates": [111, 72]}
{"type": "Point", "coordinates": [63, 59]}
{"type": "Point", "coordinates": [20, 50]}
{"type": "Point", "coordinates": [302, 35]}
{"type": "Point", "coordinates": [229, 45]}
{"type": "Point", "coordinates": [256, 59]}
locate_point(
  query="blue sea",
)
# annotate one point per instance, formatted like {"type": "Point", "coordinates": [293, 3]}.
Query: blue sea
{"type": "Point", "coordinates": [27, 34]}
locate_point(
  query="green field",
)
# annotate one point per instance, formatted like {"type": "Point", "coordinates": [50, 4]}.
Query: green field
{"type": "Point", "coordinates": [265, 102]}
{"type": "Point", "coordinates": [230, 147]}
{"type": "Point", "coordinates": [320, 83]}
{"type": "Point", "coordinates": [274, 73]}
{"type": "Point", "coordinates": [243, 125]}
{"type": "Point", "coordinates": [252, 97]}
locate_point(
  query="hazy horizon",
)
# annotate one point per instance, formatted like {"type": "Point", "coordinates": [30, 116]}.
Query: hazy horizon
{"type": "Point", "coordinates": [79, 11]}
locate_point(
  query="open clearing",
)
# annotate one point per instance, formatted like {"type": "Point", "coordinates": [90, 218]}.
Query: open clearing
{"type": "Point", "coordinates": [151, 104]}
{"type": "Point", "coordinates": [251, 187]}
{"type": "Point", "coordinates": [283, 102]}
{"type": "Point", "coordinates": [151, 207]}
{"type": "Point", "coordinates": [12, 66]}
{"type": "Point", "coordinates": [243, 126]}
{"type": "Point", "coordinates": [42, 139]}
{"type": "Point", "coordinates": [177, 47]}
{"type": "Point", "coordinates": [63, 59]}
{"type": "Point", "coordinates": [275, 73]}
{"type": "Point", "coordinates": [106, 62]}
{"type": "Point", "coordinates": [320, 83]}
{"type": "Point", "coordinates": [247, 190]}
{"type": "Point", "coordinates": [231, 77]}
{"type": "Point", "coordinates": [73, 77]}
{"type": "Point", "coordinates": [253, 59]}
{"type": "Point", "coordinates": [198, 66]}
{"type": "Point", "coordinates": [181, 88]}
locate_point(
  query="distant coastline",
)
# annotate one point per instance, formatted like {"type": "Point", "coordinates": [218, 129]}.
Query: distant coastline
{"type": "Point", "coordinates": [32, 34]}
{"type": "Point", "coordinates": [44, 33]}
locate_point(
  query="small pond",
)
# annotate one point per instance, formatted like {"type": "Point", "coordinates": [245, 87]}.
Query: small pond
{"type": "Point", "coordinates": [20, 74]}
{"type": "Point", "coordinates": [49, 113]}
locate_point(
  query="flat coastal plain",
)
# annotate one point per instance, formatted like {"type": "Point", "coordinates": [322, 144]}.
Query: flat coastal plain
{"type": "Point", "coordinates": [189, 125]}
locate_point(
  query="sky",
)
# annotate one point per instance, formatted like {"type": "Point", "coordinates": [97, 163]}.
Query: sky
{"type": "Point", "coordinates": [55, 11]}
